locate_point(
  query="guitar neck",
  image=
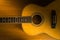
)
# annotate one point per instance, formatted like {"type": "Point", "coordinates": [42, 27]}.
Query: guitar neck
{"type": "Point", "coordinates": [15, 19]}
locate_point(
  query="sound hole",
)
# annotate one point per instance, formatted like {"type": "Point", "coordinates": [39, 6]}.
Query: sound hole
{"type": "Point", "coordinates": [37, 19]}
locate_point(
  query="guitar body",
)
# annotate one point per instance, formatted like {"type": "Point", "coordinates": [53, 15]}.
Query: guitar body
{"type": "Point", "coordinates": [45, 25]}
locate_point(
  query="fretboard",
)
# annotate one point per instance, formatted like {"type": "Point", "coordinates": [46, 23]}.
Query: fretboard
{"type": "Point", "coordinates": [26, 19]}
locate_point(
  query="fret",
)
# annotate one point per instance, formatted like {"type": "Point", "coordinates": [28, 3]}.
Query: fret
{"type": "Point", "coordinates": [15, 19]}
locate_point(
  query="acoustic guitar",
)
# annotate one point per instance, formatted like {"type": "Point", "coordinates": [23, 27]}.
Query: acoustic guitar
{"type": "Point", "coordinates": [36, 20]}
{"type": "Point", "coordinates": [43, 20]}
